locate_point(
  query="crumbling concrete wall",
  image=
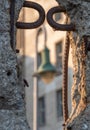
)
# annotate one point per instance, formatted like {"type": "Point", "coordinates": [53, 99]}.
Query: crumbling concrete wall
{"type": "Point", "coordinates": [79, 13]}
{"type": "Point", "coordinates": [12, 104]}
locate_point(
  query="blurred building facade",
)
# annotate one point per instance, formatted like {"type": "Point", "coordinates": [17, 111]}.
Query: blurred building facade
{"type": "Point", "coordinates": [50, 95]}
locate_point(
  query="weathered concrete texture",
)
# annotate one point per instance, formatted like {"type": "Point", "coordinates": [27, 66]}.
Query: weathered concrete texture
{"type": "Point", "coordinates": [10, 94]}
{"type": "Point", "coordinates": [12, 104]}
{"type": "Point", "coordinates": [13, 120]}
{"type": "Point", "coordinates": [82, 121]}
{"type": "Point", "coordinates": [79, 14]}
{"type": "Point", "coordinates": [88, 73]}
{"type": "Point", "coordinates": [80, 89]}
{"type": "Point", "coordinates": [4, 16]}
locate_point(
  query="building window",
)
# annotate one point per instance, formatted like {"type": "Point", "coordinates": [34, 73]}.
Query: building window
{"type": "Point", "coordinates": [41, 109]}
{"type": "Point", "coordinates": [59, 104]}
{"type": "Point", "coordinates": [59, 56]}
{"type": "Point", "coordinates": [39, 59]}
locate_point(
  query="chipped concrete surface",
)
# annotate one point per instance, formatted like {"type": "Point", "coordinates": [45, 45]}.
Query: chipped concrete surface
{"type": "Point", "coordinates": [79, 13]}
{"type": "Point", "coordinates": [12, 103]}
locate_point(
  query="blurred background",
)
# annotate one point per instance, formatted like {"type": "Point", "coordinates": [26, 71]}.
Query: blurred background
{"type": "Point", "coordinates": [49, 96]}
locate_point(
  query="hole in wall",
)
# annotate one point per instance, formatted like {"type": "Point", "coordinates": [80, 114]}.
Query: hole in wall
{"type": "Point", "coordinates": [9, 72]}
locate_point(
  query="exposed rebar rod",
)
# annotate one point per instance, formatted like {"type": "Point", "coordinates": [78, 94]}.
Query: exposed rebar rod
{"type": "Point", "coordinates": [52, 23]}
{"type": "Point", "coordinates": [65, 79]}
{"type": "Point", "coordinates": [62, 27]}
{"type": "Point", "coordinates": [12, 15]}
{"type": "Point", "coordinates": [29, 4]}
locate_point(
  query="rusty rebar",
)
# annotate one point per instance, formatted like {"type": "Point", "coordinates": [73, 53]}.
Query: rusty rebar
{"type": "Point", "coordinates": [52, 23]}
{"type": "Point", "coordinates": [29, 4]}
{"type": "Point", "coordinates": [65, 79]}
{"type": "Point", "coordinates": [12, 15]}
{"type": "Point", "coordinates": [62, 27]}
